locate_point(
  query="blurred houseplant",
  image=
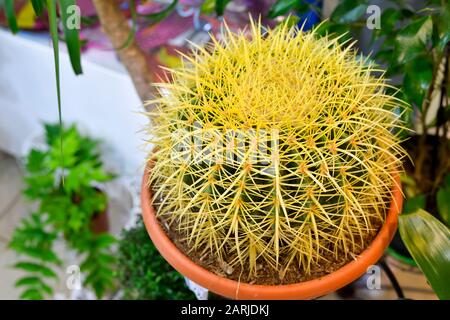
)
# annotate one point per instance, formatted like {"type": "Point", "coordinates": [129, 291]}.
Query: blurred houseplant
{"type": "Point", "coordinates": [142, 273]}
{"type": "Point", "coordinates": [252, 221]}
{"type": "Point", "coordinates": [73, 211]}
{"type": "Point", "coordinates": [412, 42]}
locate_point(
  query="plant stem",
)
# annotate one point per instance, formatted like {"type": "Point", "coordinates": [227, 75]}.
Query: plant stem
{"type": "Point", "coordinates": [443, 163]}
{"type": "Point", "coordinates": [422, 147]}
{"type": "Point", "coordinates": [392, 279]}
{"type": "Point", "coordinates": [116, 27]}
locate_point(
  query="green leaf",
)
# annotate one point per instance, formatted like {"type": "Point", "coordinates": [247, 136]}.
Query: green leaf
{"type": "Point", "coordinates": [414, 203]}
{"type": "Point", "coordinates": [428, 241]}
{"type": "Point", "coordinates": [417, 80]}
{"type": "Point", "coordinates": [158, 16]}
{"type": "Point", "coordinates": [35, 161]}
{"type": "Point", "coordinates": [42, 254]}
{"type": "Point", "coordinates": [442, 28]}
{"type": "Point", "coordinates": [388, 21]}
{"type": "Point", "coordinates": [104, 241]}
{"type": "Point", "coordinates": [411, 40]}
{"type": "Point", "coordinates": [132, 34]}
{"type": "Point", "coordinates": [71, 34]}
{"type": "Point", "coordinates": [443, 200]}
{"type": "Point", "coordinates": [53, 26]}
{"type": "Point", "coordinates": [220, 6]}
{"type": "Point", "coordinates": [281, 7]}
{"type": "Point", "coordinates": [34, 267]}
{"type": "Point", "coordinates": [348, 11]}
{"type": "Point", "coordinates": [32, 294]}
{"type": "Point", "coordinates": [28, 281]}
{"type": "Point", "coordinates": [38, 7]}
{"type": "Point", "coordinates": [208, 6]}
{"type": "Point", "coordinates": [10, 15]}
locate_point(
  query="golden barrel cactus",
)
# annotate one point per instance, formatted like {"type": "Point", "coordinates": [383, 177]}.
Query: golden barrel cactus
{"type": "Point", "coordinates": [275, 148]}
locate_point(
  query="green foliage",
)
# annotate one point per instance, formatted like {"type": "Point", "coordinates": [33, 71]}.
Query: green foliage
{"type": "Point", "coordinates": [10, 16]}
{"type": "Point", "coordinates": [63, 211]}
{"type": "Point", "coordinates": [281, 7]}
{"type": "Point", "coordinates": [428, 241]}
{"type": "Point", "coordinates": [411, 44]}
{"type": "Point", "coordinates": [443, 200]}
{"type": "Point", "coordinates": [143, 273]}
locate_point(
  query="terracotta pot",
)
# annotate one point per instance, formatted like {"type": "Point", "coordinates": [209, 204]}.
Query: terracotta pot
{"type": "Point", "coordinates": [100, 221]}
{"type": "Point", "coordinates": [303, 290]}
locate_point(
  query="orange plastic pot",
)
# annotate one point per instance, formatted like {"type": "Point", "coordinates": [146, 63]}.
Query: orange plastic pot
{"type": "Point", "coordinates": [303, 290]}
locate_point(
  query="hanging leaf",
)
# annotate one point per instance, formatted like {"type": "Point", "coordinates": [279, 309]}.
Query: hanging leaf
{"type": "Point", "coordinates": [220, 6]}
{"type": "Point", "coordinates": [38, 7]}
{"type": "Point", "coordinates": [158, 16]}
{"type": "Point", "coordinates": [10, 15]}
{"type": "Point", "coordinates": [428, 241]}
{"type": "Point", "coordinates": [133, 30]}
{"type": "Point", "coordinates": [53, 26]}
{"type": "Point", "coordinates": [71, 22]}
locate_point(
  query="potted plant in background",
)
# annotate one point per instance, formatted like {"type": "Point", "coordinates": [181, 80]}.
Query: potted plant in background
{"type": "Point", "coordinates": [141, 271]}
{"type": "Point", "coordinates": [71, 207]}
{"type": "Point", "coordinates": [302, 218]}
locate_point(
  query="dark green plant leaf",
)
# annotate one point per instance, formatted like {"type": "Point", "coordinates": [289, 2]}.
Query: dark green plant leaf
{"type": "Point", "coordinates": [281, 7]}
{"type": "Point", "coordinates": [104, 241]}
{"type": "Point", "coordinates": [428, 241]}
{"type": "Point", "coordinates": [35, 267]}
{"type": "Point", "coordinates": [412, 39]}
{"type": "Point", "coordinates": [443, 200]}
{"type": "Point", "coordinates": [389, 19]}
{"type": "Point", "coordinates": [32, 294]}
{"type": "Point", "coordinates": [53, 26]}
{"type": "Point", "coordinates": [10, 15]}
{"type": "Point", "coordinates": [441, 22]}
{"type": "Point", "coordinates": [38, 6]}
{"type": "Point", "coordinates": [28, 281]}
{"type": "Point", "coordinates": [414, 203]}
{"type": "Point", "coordinates": [42, 254]}
{"type": "Point", "coordinates": [35, 161]}
{"type": "Point", "coordinates": [348, 11]}
{"type": "Point", "coordinates": [142, 271]}
{"type": "Point", "coordinates": [71, 34]}
{"type": "Point", "coordinates": [417, 80]}
{"type": "Point", "coordinates": [220, 6]}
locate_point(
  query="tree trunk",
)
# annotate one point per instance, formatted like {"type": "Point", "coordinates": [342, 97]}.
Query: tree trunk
{"type": "Point", "coordinates": [115, 26]}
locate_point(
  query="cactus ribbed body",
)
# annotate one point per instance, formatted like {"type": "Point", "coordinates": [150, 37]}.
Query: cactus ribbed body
{"type": "Point", "coordinates": [279, 149]}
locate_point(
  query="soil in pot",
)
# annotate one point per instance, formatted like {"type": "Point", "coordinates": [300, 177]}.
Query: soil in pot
{"type": "Point", "coordinates": [265, 274]}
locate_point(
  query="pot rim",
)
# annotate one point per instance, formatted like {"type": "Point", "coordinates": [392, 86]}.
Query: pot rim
{"type": "Point", "coordinates": [237, 290]}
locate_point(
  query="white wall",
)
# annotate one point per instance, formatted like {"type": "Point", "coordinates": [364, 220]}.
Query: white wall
{"type": "Point", "coordinates": [102, 100]}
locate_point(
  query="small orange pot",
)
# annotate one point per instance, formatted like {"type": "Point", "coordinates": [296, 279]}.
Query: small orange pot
{"type": "Point", "coordinates": [303, 290]}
